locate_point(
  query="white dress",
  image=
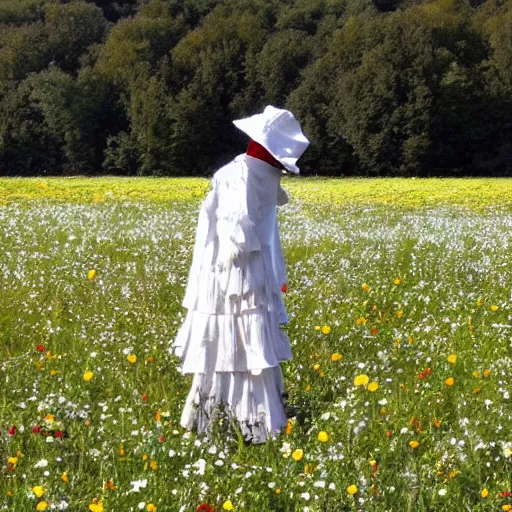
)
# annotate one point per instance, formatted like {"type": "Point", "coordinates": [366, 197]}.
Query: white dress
{"type": "Point", "coordinates": [231, 340]}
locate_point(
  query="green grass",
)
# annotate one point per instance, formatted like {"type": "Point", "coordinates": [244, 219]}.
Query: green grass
{"type": "Point", "coordinates": [436, 258]}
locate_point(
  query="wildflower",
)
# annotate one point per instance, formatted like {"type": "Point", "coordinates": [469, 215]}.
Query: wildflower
{"type": "Point", "coordinates": [506, 508]}
{"type": "Point", "coordinates": [414, 444]}
{"type": "Point", "coordinates": [151, 508]}
{"type": "Point", "coordinates": [91, 274]}
{"type": "Point", "coordinates": [374, 331]}
{"type": "Point", "coordinates": [494, 308]}
{"type": "Point", "coordinates": [317, 327]}
{"type": "Point", "coordinates": [476, 374]}
{"type": "Point", "coordinates": [397, 281]}
{"type": "Point", "coordinates": [336, 356]}
{"type": "Point", "coordinates": [38, 491]}
{"type": "Point", "coordinates": [228, 505]}
{"type": "Point", "coordinates": [452, 358]}
{"type": "Point", "coordinates": [450, 381]}
{"type": "Point", "coordinates": [297, 454]}
{"type": "Point", "coordinates": [153, 465]}
{"type": "Point", "coordinates": [12, 430]}
{"type": "Point", "coordinates": [507, 452]}
{"type": "Point", "coordinates": [308, 388]}
{"type": "Point", "coordinates": [476, 390]}
{"type": "Point", "coordinates": [64, 477]}
{"type": "Point", "coordinates": [323, 437]}
{"type": "Point", "coordinates": [42, 505]}
{"type": "Point", "coordinates": [88, 375]}
{"type": "Point", "coordinates": [132, 358]}
{"type": "Point", "coordinates": [316, 366]}
{"type": "Point", "coordinates": [204, 507]}
{"type": "Point", "coordinates": [373, 386]}
{"type": "Point", "coordinates": [284, 288]}
{"type": "Point", "coordinates": [479, 302]}
{"type": "Point", "coordinates": [399, 314]}
{"type": "Point", "coordinates": [289, 428]}
{"type": "Point", "coordinates": [96, 507]}
{"type": "Point", "coordinates": [309, 469]}
{"type": "Point", "coordinates": [361, 380]}
{"type": "Point", "coordinates": [326, 329]}
{"type": "Point", "coordinates": [40, 348]}
{"type": "Point", "coordinates": [365, 287]}
{"type": "Point", "coordinates": [487, 373]}
{"type": "Point", "coordinates": [352, 489]}
{"type": "Point", "coordinates": [12, 460]}
{"type": "Point", "coordinates": [361, 320]}
{"type": "Point", "coordinates": [436, 423]}
{"type": "Point", "coordinates": [389, 434]}
{"type": "Point", "coordinates": [278, 491]}
{"type": "Point", "coordinates": [484, 493]}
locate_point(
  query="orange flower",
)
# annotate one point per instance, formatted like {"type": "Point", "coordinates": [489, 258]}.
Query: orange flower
{"type": "Point", "coordinates": [450, 381]}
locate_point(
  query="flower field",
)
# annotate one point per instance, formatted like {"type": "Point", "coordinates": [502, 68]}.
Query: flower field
{"type": "Point", "coordinates": [400, 305]}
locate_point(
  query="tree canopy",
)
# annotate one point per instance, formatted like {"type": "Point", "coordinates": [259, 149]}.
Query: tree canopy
{"type": "Point", "coordinates": [150, 87]}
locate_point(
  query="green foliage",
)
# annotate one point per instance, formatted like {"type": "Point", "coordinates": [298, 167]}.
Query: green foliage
{"type": "Point", "coordinates": [403, 87]}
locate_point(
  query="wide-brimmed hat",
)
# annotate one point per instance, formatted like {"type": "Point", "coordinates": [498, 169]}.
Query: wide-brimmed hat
{"type": "Point", "coordinates": [279, 132]}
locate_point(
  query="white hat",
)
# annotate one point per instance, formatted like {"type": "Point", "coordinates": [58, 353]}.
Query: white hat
{"type": "Point", "coordinates": [278, 132]}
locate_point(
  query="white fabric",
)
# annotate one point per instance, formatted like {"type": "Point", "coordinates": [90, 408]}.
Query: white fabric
{"type": "Point", "coordinates": [278, 132]}
{"type": "Point", "coordinates": [231, 340]}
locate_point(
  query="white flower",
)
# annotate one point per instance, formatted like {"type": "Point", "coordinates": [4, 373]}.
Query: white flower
{"type": "Point", "coordinates": [138, 485]}
{"type": "Point", "coordinates": [320, 484]}
{"type": "Point", "coordinates": [305, 496]}
{"type": "Point", "coordinates": [41, 464]}
{"type": "Point", "coordinates": [172, 453]}
{"type": "Point", "coordinates": [201, 466]}
{"type": "Point", "coordinates": [141, 505]}
{"type": "Point", "coordinates": [271, 485]}
{"type": "Point", "coordinates": [441, 492]}
{"type": "Point", "coordinates": [325, 416]}
{"type": "Point", "coordinates": [332, 486]}
{"type": "Point", "coordinates": [383, 402]}
{"type": "Point", "coordinates": [286, 450]}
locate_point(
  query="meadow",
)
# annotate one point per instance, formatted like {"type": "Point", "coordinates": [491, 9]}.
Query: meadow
{"type": "Point", "coordinates": [399, 297]}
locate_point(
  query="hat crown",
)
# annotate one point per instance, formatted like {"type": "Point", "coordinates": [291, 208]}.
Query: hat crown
{"type": "Point", "coordinates": [279, 132]}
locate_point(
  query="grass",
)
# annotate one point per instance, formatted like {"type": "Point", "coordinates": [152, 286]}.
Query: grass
{"type": "Point", "coordinates": [400, 274]}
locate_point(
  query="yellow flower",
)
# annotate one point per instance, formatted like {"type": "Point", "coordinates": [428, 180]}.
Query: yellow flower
{"type": "Point", "coordinates": [397, 281]}
{"type": "Point", "coordinates": [316, 366]}
{"type": "Point", "coordinates": [289, 428]}
{"type": "Point", "coordinates": [308, 388]}
{"type": "Point", "coordinates": [317, 327]}
{"type": "Point", "coordinates": [476, 390]}
{"type": "Point", "coordinates": [476, 374]}
{"type": "Point", "coordinates": [452, 358]}
{"type": "Point", "coordinates": [64, 477]}
{"type": "Point", "coordinates": [506, 508]}
{"type": "Point", "coordinates": [298, 454]}
{"type": "Point", "coordinates": [352, 489]}
{"type": "Point", "coordinates": [309, 469]}
{"type": "Point", "coordinates": [487, 373]}
{"type": "Point", "coordinates": [323, 437]}
{"type": "Point", "coordinates": [321, 374]}
{"type": "Point", "coordinates": [414, 444]}
{"type": "Point", "coordinates": [336, 356]}
{"type": "Point", "coordinates": [326, 329]}
{"type": "Point", "coordinates": [151, 507]}
{"type": "Point", "coordinates": [361, 380]}
{"type": "Point", "coordinates": [373, 463]}
{"type": "Point", "coordinates": [278, 491]}
{"type": "Point", "coordinates": [50, 418]}
{"type": "Point", "coordinates": [53, 372]}
{"type": "Point", "coordinates": [494, 308]}
{"type": "Point", "coordinates": [373, 386]}
{"type": "Point", "coordinates": [450, 381]}
{"type": "Point", "coordinates": [153, 465]}
{"type": "Point", "coordinates": [132, 358]}
{"type": "Point", "coordinates": [479, 302]}
{"type": "Point", "coordinates": [38, 491]}
{"type": "Point", "coordinates": [42, 505]}
{"type": "Point", "coordinates": [91, 274]}
{"type": "Point", "coordinates": [121, 450]}
{"type": "Point", "coordinates": [365, 287]}
{"type": "Point", "coordinates": [399, 314]}
{"type": "Point", "coordinates": [484, 493]}
{"type": "Point", "coordinates": [96, 507]}
{"type": "Point", "coordinates": [361, 320]}
{"type": "Point", "coordinates": [12, 460]}
{"type": "Point", "coordinates": [228, 505]}
{"type": "Point", "coordinates": [145, 456]}
{"type": "Point", "coordinates": [88, 375]}
{"type": "Point", "coordinates": [436, 423]}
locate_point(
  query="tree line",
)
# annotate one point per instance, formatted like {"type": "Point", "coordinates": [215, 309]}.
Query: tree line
{"type": "Point", "coordinates": [150, 87]}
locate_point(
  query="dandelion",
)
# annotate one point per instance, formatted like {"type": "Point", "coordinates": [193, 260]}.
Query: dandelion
{"type": "Point", "coordinates": [278, 491]}
{"type": "Point", "coordinates": [494, 308]}
{"type": "Point", "coordinates": [38, 491]}
{"type": "Point", "coordinates": [297, 454]}
{"type": "Point", "coordinates": [317, 327]}
{"type": "Point", "coordinates": [399, 314]}
{"type": "Point", "coordinates": [476, 374]}
{"type": "Point", "coordinates": [153, 465]}
{"type": "Point", "coordinates": [42, 505]}
{"type": "Point", "coordinates": [365, 287]}
{"type": "Point", "coordinates": [151, 508]}
{"type": "Point", "coordinates": [88, 375]}
{"type": "Point", "coordinates": [316, 366]}
{"type": "Point", "coordinates": [373, 386]}
{"type": "Point", "coordinates": [361, 320]}
{"type": "Point", "coordinates": [289, 428]}
{"type": "Point", "coordinates": [228, 505]}
{"type": "Point", "coordinates": [487, 373]}
{"type": "Point", "coordinates": [326, 329]}
{"type": "Point", "coordinates": [414, 444]}
{"type": "Point", "coordinates": [484, 493]}
{"type": "Point", "coordinates": [452, 358]}
{"type": "Point", "coordinates": [507, 508]}
{"type": "Point", "coordinates": [323, 437]}
{"type": "Point", "coordinates": [361, 380]}
{"type": "Point", "coordinates": [397, 281]}
{"type": "Point", "coordinates": [476, 390]}
{"type": "Point", "coordinates": [308, 388]}
{"type": "Point", "coordinates": [450, 381]}
{"type": "Point", "coordinates": [352, 489]}
{"type": "Point", "coordinates": [336, 356]}
{"type": "Point", "coordinates": [132, 358]}
{"type": "Point", "coordinates": [91, 274]}
{"type": "Point", "coordinates": [96, 507]}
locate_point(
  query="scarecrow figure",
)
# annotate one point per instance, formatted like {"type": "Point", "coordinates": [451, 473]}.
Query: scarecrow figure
{"type": "Point", "coordinates": [231, 339]}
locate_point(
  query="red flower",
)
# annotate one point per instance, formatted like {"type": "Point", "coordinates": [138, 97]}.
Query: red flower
{"type": "Point", "coordinates": [421, 376]}
{"type": "Point", "coordinates": [41, 348]}
{"type": "Point", "coordinates": [205, 508]}
{"type": "Point", "coordinates": [428, 371]}
{"type": "Point", "coordinates": [506, 494]}
{"type": "Point", "coordinates": [145, 397]}
{"type": "Point", "coordinates": [12, 430]}
{"type": "Point", "coordinates": [161, 439]}
{"type": "Point", "coordinates": [374, 331]}
{"type": "Point", "coordinates": [284, 288]}
{"type": "Point", "coordinates": [59, 433]}
{"type": "Point", "coordinates": [37, 429]}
